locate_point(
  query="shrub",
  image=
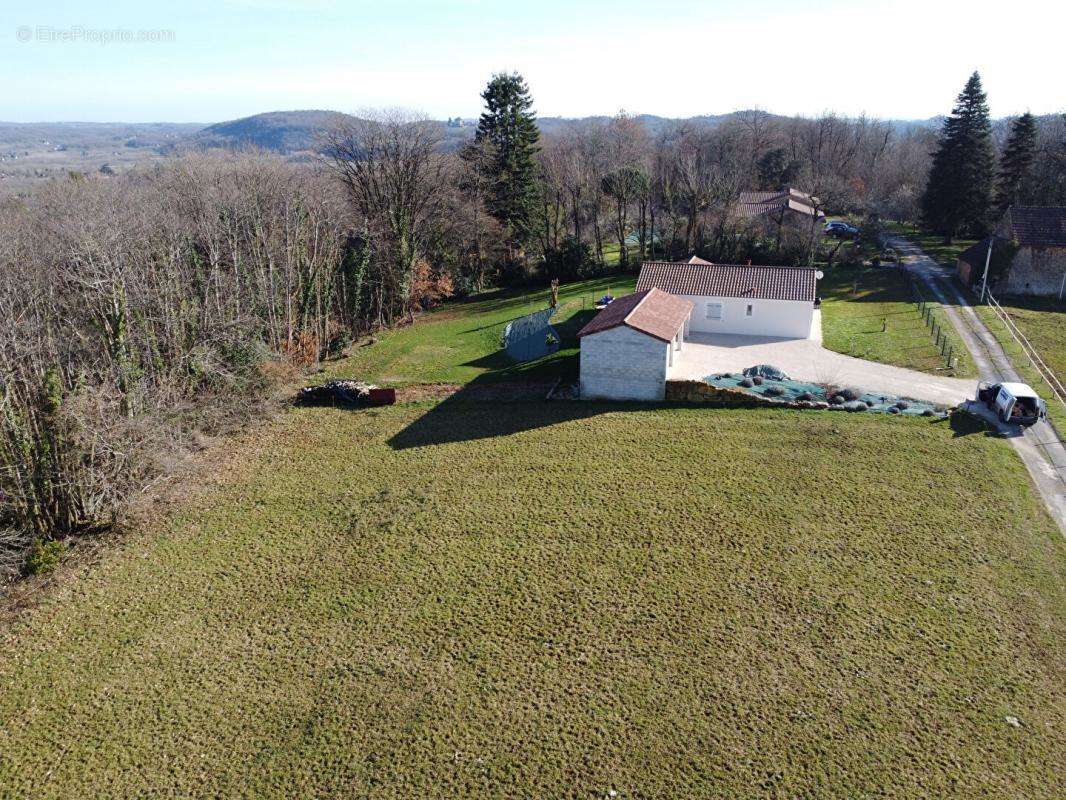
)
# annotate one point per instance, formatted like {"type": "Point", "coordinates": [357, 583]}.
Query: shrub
{"type": "Point", "coordinates": [571, 261]}
{"type": "Point", "coordinates": [43, 557]}
{"type": "Point", "coordinates": [805, 397]}
{"type": "Point", "coordinates": [746, 383]}
{"type": "Point", "coordinates": [757, 380]}
{"type": "Point", "coordinates": [774, 391]}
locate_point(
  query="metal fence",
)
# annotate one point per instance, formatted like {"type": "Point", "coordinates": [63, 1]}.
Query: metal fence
{"type": "Point", "coordinates": [938, 329]}
{"type": "Point", "coordinates": [1028, 351]}
{"type": "Point", "coordinates": [531, 336]}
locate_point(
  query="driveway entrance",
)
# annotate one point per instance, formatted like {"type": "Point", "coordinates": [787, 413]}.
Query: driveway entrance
{"type": "Point", "coordinates": [705, 354]}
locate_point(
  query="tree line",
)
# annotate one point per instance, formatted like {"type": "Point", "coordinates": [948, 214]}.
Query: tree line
{"type": "Point", "coordinates": [967, 190]}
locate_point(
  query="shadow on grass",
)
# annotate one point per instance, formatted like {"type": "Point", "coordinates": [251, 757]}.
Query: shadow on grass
{"type": "Point", "coordinates": [487, 409]}
{"type": "Point", "coordinates": [972, 419]}
{"type": "Point", "coordinates": [474, 412]}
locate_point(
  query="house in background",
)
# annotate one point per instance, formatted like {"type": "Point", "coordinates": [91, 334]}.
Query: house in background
{"type": "Point", "coordinates": [628, 347]}
{"type": "Point", "coordinates": [1028, 255]}
{"type": "Point", "coordinates": [737, 298]}
{"type": "Point", "coordinates": [788, 215]}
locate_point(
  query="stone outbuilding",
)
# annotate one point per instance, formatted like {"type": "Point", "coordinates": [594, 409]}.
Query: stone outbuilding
{"type": "Point", "coordinates": [628, 347]}
{"type": "Point", "coordinates": [1028, 255]}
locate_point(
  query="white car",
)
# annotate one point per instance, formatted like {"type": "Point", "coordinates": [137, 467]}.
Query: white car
{"type": "Point", "coordinates": [1014, 403]}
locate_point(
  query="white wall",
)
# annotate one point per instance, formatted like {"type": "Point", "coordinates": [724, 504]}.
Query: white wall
{"type": "Point", "coordinates": [783, 318]}
{"type": "Point", "coordinates": [623, 364]}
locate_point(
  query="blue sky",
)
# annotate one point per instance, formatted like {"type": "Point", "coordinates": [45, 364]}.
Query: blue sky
{"type": "Point", "coordinates": [229, 58]}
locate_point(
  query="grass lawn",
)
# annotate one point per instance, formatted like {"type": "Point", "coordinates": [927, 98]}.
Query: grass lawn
{"type": "Point", "coordinates": [460, 341]}
{"type": "Point", "coordinates": [1042, 320]}
{"type": "Point", "coordinates": [932, 243]}
{"type": "Point", "coordinates": [855, 305]}
{"type": "Point", "coordinates": [560, 600]}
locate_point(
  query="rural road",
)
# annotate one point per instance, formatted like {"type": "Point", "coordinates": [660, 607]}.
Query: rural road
{"type": "Point", "coordinates": [1040, 447]}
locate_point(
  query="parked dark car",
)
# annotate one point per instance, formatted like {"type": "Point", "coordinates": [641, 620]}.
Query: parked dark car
{"type": "Point", "coordinates": [841, 230]}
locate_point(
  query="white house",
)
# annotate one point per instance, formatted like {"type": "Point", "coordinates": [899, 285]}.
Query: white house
{"type": "Point", "coordinates": [737, 298]}
{"type": "Point", "coordinates": [627, 348]}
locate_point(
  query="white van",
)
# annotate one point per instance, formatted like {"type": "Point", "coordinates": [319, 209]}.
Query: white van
{"type": "Point", "coordinates": [1014, 403]}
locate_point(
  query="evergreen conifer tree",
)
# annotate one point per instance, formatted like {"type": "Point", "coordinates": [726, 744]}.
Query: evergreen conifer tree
{"type": "Point", "coordinates": [1015, 183]}
{"type": "Point", "coordinates": [510, 126]}
{"type": "Point", "coordinates": [958, 194]}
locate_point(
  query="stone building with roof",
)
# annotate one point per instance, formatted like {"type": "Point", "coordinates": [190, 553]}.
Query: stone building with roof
{"type": "Point", "coordinates": [1028, 255]}
{"type": "Point", "coordinates": [788, 215]}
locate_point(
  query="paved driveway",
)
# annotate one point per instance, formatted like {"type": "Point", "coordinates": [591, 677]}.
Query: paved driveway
{"type": "Point", "coordinates": [805, 359]}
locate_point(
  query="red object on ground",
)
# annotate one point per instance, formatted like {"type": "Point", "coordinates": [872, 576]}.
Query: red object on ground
{"type": "Point", "coordinates": [382, 397]}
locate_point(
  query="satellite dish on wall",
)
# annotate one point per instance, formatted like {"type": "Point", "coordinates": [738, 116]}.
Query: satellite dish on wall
{"type": "Point", "coordinates": [819, 275]}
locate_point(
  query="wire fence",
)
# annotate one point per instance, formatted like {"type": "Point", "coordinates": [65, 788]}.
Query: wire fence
{"type": "Point", "coordinates": [933, 316]}
{"type": "Point", "coordinates": [1028, 351]}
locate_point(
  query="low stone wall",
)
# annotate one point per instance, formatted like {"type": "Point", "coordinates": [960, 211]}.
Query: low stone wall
{"type": "Point", "coordinates": [702, 392]}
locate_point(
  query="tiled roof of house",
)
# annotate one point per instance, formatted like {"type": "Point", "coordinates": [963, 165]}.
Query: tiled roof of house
{"type": "Point", "coordinates": [729, 280]}
{"type": "Point", "coordinates": [1039, 226]}
{"type": "Point", "coordinates": [651, 311]}
{"type": "Point", "coordinates": [754, 204]}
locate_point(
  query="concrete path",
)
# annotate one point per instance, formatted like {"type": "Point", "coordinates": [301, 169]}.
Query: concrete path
{"type": "Point", "coordinates": [805, 359]}
{"type": "Point", "coordinates": [1040, 447]}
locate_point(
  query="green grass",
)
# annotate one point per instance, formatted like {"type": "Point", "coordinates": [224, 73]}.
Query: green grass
{"type": "Point", "coordinates": [1042, 320]}
{"type": "Point", "coordinates": [460, 341]}
{"type": "Point", "coordinates": [558, 600]}
{"type": "Point", "coordinates": [857, 303]}
{"type": "Point", "coordinates": [932, 243]}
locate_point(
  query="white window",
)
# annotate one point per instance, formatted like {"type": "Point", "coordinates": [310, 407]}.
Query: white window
{"type": "Point", "coordinates": [750, 309]}
{"type": "Point", "coordinates": [714, 311]}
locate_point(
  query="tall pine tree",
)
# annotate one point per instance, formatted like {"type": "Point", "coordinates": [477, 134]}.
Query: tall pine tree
{"type": "Point", "coordinates": [510, 126]}
{"type": "Point", "coordinates": [1015, 183]}
{"type": "Point", "coordinates": [958, 195]}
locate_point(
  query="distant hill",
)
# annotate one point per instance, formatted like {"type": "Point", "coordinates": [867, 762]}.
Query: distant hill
{"type": "Point", "coordinates": [282, 131]}
{"type": "Point", "coordinates": [295, 133]}
{"type": "Point", "coordinates": [76, 136]}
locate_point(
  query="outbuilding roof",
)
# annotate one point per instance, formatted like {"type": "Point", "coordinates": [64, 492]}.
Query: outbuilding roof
{"type": "Point", "coordinates": [975, 254]}
{"type": "Point", "coordinates": [651, 311]}
{"type": "Point", "coordinates": [729, 280]}
{"type": "Point", "coordinates": [1038, 226]}
{"type": "Point", "coordinates": [754, 204]}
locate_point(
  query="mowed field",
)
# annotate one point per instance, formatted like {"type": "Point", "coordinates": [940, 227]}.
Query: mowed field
{"type": "Point", "coordinates": [560, 600]}
{"type": "Point", "coordinates": [870, 313]}
{"type": "Point", "coordinates": [460, 341]}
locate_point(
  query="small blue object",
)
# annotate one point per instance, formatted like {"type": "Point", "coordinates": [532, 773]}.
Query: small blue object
{"type": "Point", "coordinates": [606, 300]}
